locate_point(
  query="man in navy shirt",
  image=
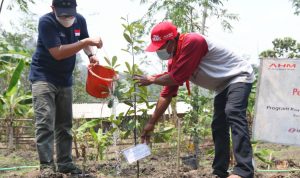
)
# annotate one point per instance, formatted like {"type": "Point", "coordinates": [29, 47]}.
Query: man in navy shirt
{"type": "Point", "coordinates": [61, 34]}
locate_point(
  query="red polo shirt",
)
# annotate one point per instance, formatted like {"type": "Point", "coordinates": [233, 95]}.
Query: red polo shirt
{"type": "Point", "coordinates": [183, 65]}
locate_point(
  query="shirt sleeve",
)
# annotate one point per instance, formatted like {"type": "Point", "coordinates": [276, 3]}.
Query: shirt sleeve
{"type": "Point", "coordinates": [194, 48]}
{"type": "Point", "coordinates": [169, 90]}
{"type": "Point", "coordinates": [48, 33]}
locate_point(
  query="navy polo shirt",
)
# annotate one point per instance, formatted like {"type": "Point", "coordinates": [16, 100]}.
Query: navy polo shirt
{"type": "Point", "coordinates": [52, 34]}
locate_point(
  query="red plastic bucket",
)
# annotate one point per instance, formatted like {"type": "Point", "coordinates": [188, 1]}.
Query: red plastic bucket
{"type": "Point", "coordinates": [99, 81]}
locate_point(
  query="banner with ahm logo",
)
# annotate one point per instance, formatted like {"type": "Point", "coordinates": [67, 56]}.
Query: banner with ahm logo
{"type": "Point", "coordinates": [277, 110]}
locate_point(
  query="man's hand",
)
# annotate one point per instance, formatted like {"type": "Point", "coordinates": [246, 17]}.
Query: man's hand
{"type": "Point", "coordinates": [144, 80]}
{"type": "Point", "coordinates": [93, 42]}
{"type": "Point", "coordinates": [94, 60]}
{"type": "Point", "coordinates": [145, 137]}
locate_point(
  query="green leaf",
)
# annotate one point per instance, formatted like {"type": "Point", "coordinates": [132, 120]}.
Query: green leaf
{"type": "Point", "coordinates": [137, 48]}
{"type": "Point", "coordinates": [117, 66]}
{"type": "Point", "coordinates": [127, 37]}
{"type": "Point", "coordinates": [88, 125]}
{"type": "Point", "coordinates": [143, 89]}
{"type": "Point", "coordinates": [126, 135]}
{"type": "Point", "coordinates": [121, 115]}
{"type": "Point", "coordinates": [111, 118]}
{"type": "Point", "coordinates": [93, 133]}
{"type": "Point", "coordinates": [129, 112]}
{"type": "Point", "coordinates": [128, 103]}
{"type": "Point", "coordinates": [128, 67]}
{"type": "Point", "coordinates": [130, 28]}
{"type": "Point", "coordinates": [117, 122]}
{"type": "Point", "coordinates": [12, 88]}
{"type": "Point", "coordinates": [166, 130]}
{"type": "Point", "coordinates": [24, 99]}
{"type": "Point", "coordinates": [99, 134]}
{"type": "Point", "coordinates": [126, 50]}
{"type": "Point", "coordinates": [114, 60]}
{"type": "Point", "coordinates": [140, 41]}
{"type": "Point", "coordinates": [107, 61]}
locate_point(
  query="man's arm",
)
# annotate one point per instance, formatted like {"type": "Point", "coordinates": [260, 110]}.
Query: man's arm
{"type": "Point", "coordinates": [91, 55]}
{"type": "Point", "coordinates": [65, 51]}
{"type": "Point", "coordinates": [163, 80]}
{"type": "Point", "coordinates": [88, 50]}
{"type": "Point", "coordinates": [161, 106]}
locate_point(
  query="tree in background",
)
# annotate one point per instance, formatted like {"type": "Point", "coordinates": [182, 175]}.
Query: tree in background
{"type": "Point", "coordinates": [22, 4]}
{"type": "Point", "coordinates": [296, 5]}
{"type": "Point", "coordinates": [282, 48]}
{"type": "Point", "coordinates": [189, 15]}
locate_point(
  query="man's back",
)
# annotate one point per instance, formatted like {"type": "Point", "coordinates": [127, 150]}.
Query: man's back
{"type": "Point", "coordinates": [220, 67]}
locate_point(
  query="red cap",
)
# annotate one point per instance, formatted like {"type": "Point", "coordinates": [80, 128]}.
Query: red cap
{"type": "Point", "coordinates": [160, 34]}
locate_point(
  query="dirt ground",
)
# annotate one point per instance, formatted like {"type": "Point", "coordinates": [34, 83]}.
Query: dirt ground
{"type": "Point", "coordinates": [161, 164]}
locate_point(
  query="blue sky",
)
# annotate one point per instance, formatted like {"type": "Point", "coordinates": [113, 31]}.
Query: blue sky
{"type": "Point", "coordinates": [260, 23]}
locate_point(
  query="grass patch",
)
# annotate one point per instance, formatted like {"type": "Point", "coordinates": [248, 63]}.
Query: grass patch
{"type": "Point", "coordinates": [19, 158]}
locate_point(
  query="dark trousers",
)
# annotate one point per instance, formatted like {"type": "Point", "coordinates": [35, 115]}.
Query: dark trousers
{"type": "Point", "coordinates": [230, 112]}
{"type": "Point", "coordinates": [53, 115]}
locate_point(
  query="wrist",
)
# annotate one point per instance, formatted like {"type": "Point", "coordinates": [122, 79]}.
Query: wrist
{"type": "Point", "coordinates": [90, 55]}
{"type": "Point", "coordinates": [152, 79]}
{"type": "Point", "coordinates": [84, 42]}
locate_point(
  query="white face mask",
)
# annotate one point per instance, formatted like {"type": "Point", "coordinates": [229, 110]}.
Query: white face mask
{"type": "Point", "coordinates": [163, 53]}
{"type": "Point", "coordinates": [66, 22]}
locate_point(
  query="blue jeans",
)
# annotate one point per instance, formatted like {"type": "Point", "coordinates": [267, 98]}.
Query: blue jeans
{"type": "Point", "coordinates": [53, 119]}
{"type": "Point", "coordinates": [230, 112]}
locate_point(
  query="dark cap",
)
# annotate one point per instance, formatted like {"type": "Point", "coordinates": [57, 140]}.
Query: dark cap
{"type": "Point", "coordinates": [65, 7]}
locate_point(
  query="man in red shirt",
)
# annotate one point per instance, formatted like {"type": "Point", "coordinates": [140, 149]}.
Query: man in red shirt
{"type": "Point", "coordinates": [193, 57]}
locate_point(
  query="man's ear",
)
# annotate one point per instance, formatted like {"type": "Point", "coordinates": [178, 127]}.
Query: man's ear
{"type": "Point", "coordinates": [171, 45]}
{"type": "Point", "coordinates": [53, 9]}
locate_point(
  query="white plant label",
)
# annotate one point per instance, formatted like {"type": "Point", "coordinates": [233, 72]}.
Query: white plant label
{"type": "Point", "coordinates": [136, 153]}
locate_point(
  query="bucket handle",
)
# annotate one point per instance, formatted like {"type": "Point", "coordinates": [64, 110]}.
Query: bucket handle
{"type": "Point", "coordinates": [95, 75]}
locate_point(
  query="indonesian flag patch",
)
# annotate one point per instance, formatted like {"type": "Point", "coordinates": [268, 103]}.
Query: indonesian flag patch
{"type": "Point", "coordinates": [77, 32]}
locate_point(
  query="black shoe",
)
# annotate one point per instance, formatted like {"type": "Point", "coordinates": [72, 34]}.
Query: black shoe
{"type": "Point", "coordinates": [71, 168]}
{"type": "Point", "coordinates": [46, 172]}
{"type": "Point", "coordinates": [219, 174]}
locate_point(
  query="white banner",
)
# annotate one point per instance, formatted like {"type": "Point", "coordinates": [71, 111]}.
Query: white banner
{"type": "Point", "coordinates": [277, 112]}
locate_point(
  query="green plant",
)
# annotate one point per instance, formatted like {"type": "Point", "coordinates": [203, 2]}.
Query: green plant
{"type": "Point", "coordinates": [163, 134]}
{"type": "Point", "coordinates": [134, 94]}
{"type": "Point", "coordinates": [15, 98]}
{"type": "Point", "coordinates": [264, 155]}
{"type": "Point", "coordinates": [14, 103]}
{"type": "Point", "coordinates": [101, 140]}
{"type": "Point", "coordinates": [197, 120]}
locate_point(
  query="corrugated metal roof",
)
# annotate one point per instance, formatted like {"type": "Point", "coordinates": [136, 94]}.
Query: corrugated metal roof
{"type": "Point", "coordinates": [99, 110]}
